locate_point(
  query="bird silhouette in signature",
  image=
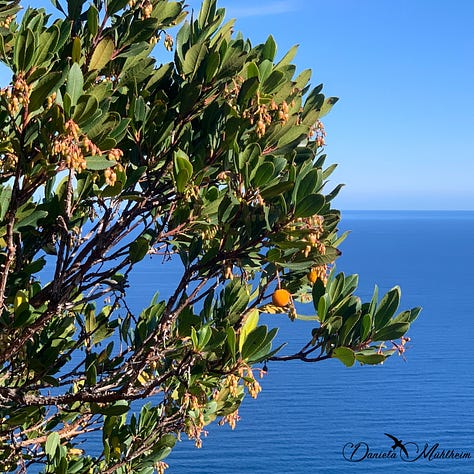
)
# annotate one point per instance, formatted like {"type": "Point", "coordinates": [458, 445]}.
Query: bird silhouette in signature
{"type": "Point", "coordinates": [397, 444]}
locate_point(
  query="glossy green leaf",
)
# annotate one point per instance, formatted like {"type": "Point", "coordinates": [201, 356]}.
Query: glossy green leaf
{"type": "Point", "coordinates": [75, 83]}
{"type": "Point", "coordinates": [263, 174]}
{"type": "Point", "coordinates": [76, 50]}
{"type": "Point", "coordinates": [248, 91]}
{"type": "Point", "coordinates": [85, 109]}
{"type": "Point", "coordinates": [309, 205]}
{"type": "Point", "coordinates": [347, 327]}
{"type": "Point", "coordinates": [193, 58]}
{"type": "Point", "coordinates": [47, 44]}
{"type": "Point", "coordinates": [93, 20]}
{"type": "Point", "coordinates": [255, 340]}
{"type": "Point", "coordinates": [269, 49]}
{"type": "Point", "coordinates": [345, 355]}
{"type": "Point", "coordinates": [113, 6]}
{"type": "Point", "coordinates": [138, 249]}
{"type": "Point", "coordinates": [387, 307]}
{"type": "Point", "coordinates": [52, 443]}
{"type": "Point", "coordinates": [365, 326]}
{"type": "Point", "coordinates": [327, 106]}
{"type": "Point", "coordinates": [98, 163]}
{"type": "Point", "coordinates": [371, 359]}
{"type": "Point", "coordinates": [391, 331]}
{"type": "Point", "coordinates": [115, 409]}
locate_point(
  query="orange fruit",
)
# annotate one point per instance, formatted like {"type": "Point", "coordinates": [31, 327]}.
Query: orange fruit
{"type": "Point", "coordinates": [281, 297]}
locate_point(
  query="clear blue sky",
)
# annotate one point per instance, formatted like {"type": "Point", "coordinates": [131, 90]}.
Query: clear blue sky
{"type": "Point", "coordinates": [403, 131]}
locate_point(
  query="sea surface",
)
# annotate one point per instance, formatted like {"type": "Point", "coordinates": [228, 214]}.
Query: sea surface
{"type": "Point", "coordinates": [307, 413]}
{"type": "Point", "coordinates": [321, 417]}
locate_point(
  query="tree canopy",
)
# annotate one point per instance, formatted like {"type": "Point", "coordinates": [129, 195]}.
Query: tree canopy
{"type": "Point", "coordinates": [130, 130]}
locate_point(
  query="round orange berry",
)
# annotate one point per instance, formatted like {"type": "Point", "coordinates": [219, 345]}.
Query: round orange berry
{"type": "Point", "coordinates": [281, 297]}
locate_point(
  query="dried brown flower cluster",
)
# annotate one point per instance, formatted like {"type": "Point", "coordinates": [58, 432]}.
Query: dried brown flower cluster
{"type": "Point", "coordinates": [263, 115]}
{"type": "Point", "coordinates": [195, 424]}
{"type": "Point", "coordinates": [17, 95]}
{"type": "Point", "coordinates": [72, 147]}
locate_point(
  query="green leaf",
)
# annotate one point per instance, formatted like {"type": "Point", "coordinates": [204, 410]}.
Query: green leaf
{"type": "Point", "coordinates": [371, 359]}
{"type": "Point", "coordinates": [5, 198]}
{"type": "Point", "coordinates": [75, 83]}
{"type": "Point", "coordinates": [85, 109]}
{"type": "Point", "coordinates": [76, 50]}
{"type": "Point", "coordinates": [318, 291]}
{"type": "Point", "coordinates": [269, 49]}
{"type": "Point", "coordinates": [276, 190]}
{"type": "Point", "coordinates": [183, 170]}
{"type": "Point", "coordinates": [74, 8]}
{"type": "Point", "coordinates": [263, 174]}
{"type": "Point", "coordinates": [93, 20]}
{"type": "Point", "coordinates": [387, 307]}
{"type": "Point", "coordinates": [292, 135]}
{"type": "Point", "coordinates": [24, 50]}
{"type": "Point", "coordinates": [391, 331]}
{"type": "Point", "coordinates": [47, 44]}
{"type": "Point", "coordinates": [31, 220]}
{"type": "Point", "coordinates": [347, 327]}
{"type": "Point", "coordinates": [250, 324]}
{"type": "Point", "coordinates": [254, 342]}
{"type": "Point", "coordinates": [98, 163]}
{"type": "Point", "coordinates": [102, 54]}
{"type": "Point", "coordinates": [206, 13]}
{"type": "Point", "coordinates": [213, 62]}
{"type": "Point", "coordinates": [231, 340]}
{"type": "Point", "coordinates": [52, 443]}
{"type": "Point", "coordinates": [138, 249]}
{"type": "Point", "coordinates": [247, 91]}
{"type": "Point", "coordinates": [309, 205]}
{"type": "Point", "coordinates": [322, 307]}
{"type": "Point", "coordinates": [407, 316]}
{"type": "Point", "coordinates": [264, 69]}
{"type": "Point", "coordinates": [288, 57]}
{"type": "Point", "coordinates": [345, 355]}
{"type": "Point", "coordinates": [205, 334]}
{"type": "Point", "coordinates": [45, 86]}
{"type": "Point", "coordinates": [272, 83]}
{"type": "Point", "coordinates": [309, 184]}
{"type": "Point", "coordinates": [139, 110]}
{"type": "Point", "coordinates": [327, 106]}
{"type": "Point", "coordinates": [365, 326]}
{"type": "Point", "coordinates": [193, 59]}
{"type": "Point", "coordinates": [113, 6]}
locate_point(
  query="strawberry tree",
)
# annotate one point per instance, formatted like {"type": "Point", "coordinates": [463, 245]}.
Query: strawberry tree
{"type": "Point", "coordinates": [129, 130]}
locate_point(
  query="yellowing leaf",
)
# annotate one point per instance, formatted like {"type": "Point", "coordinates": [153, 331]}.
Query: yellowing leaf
{"type": "Point", "coordinates": [102, 54]}
{"type": "Point", "coordinates": [250, 324]}
{"type": "Point", "coordinates": [20, 298]}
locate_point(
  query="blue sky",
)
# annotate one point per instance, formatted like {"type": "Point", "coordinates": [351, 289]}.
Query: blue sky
{"type": "Point", "coordinates": [403, 130]}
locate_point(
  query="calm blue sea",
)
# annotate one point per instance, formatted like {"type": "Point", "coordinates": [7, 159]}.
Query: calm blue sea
{"type": "Point", "coordinates": [307, 413]}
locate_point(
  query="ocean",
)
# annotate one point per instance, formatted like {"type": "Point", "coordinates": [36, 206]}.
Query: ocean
{"type": "Point", "coordinates": [326, 418]}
